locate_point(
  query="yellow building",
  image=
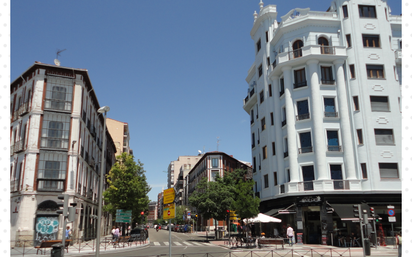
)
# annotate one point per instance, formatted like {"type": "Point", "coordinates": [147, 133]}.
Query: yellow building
{"type": "Point", "coordinates": [120, 134]}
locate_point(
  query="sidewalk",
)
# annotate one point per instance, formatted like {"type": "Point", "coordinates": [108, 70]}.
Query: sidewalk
{"type": "Point", "coordinates": [304, 248]}
{"type": "Point", "coordinates": [78, 249]}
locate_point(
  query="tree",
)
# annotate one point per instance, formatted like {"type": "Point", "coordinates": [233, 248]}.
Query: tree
{"type": "Point", "coordinates": [128, 188]}
{"type": "Point", "coordinates": [212, 199]}
{"type": "Point", "coordinates": [245, 204]}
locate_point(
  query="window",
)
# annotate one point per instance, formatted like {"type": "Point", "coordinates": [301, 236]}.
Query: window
{"type": "Point", "coordinates": [345, 11]}
{"type": "Point", "coordinates": [303, 110]}
{"type": "Point", "coordinates": [266, 179]}
{"type": "Point", "coordinates": [260, 70]}
{"type": "Point", "coordinates": [305, 142]}
{"type": "Point", "coordinates": [275, 178]}
{"type": "Point", "coordinates": [273, 148]}
{"type": "Point", "coordinates": [326, 73]}
{"type": "Point", "coordinates": [330, 109]}
{"type": "Point", "coordinates": [375, 71]}
{"type": "Point", "coordinates": [254, 164]}
{"type": "Point", "coordinates": [265, 152]}
{"type": "Point", "coordinates": [352, 71]}
{"type": "Point", "coordinates": [388, 170]}
{"type": "Point", "coordinates": [297, 48]}
{"type": "Point", "coordinates": [348, 40]}
{"type": "Point", "coordinates": [253, 140]}
{"type": "Point", "coordinates": [360, 136]}
{"type": "Point", "coordinates": [267, 36]}
{"type": "Point", "coordinates": [370, 40]}
{"type": "Point", "coordinates": [356, 103]}
{"type": "Point", "coordinates": [258, 46]}
{"type": "Point", "coordinates": [284, 116]}
{"type": "Point", "coordinates": [379, 103]}
{"type": "Point", "coordinates": [384, 137]}
{"type": "Point", "coordinates": [324, 46]}
{"type": "Point", "coordinates": [270, 90]}
{"type": "Point", "coordinates": [52, 174]}
{"type": "Point", "coordinates": [263, 123]}
{"type": "Point", "coordinates": [336, 174]}
{"type": "Point", "coordinates": [215, 162]}
{"type": "Point", "coordinates": [268, 62]}
{"type": "Point", "coordinates": [55, 134]}
{"type": "Point", "coordinates": [252, 117]}
{"type": "Point", "coordinates": [282, 87]}
{"type": "Point", "coordinates": [367, 11]}
{"type": "Point", "coordinates": [333, 141]}
{"type": "Point", "coordinates": [215, 173]}
{"type": "Point", "coordinates": [300, 78]}
{"type": "Point", "coordinates": [262, 96]}
{"type": "Point", "coordinates": [285, 146]}
{"type": "Point", "coordinates": [308, 177]}
{"type": "Point", "coordinates": [364, 171]}
{"type": "Point", "coordinates": [271, 119]}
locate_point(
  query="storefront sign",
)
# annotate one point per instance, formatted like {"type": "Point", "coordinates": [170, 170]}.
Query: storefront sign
{"type": "Point", "coordinates": [311, 199]}
{"type": "Point", "coordinates": [300, 224]}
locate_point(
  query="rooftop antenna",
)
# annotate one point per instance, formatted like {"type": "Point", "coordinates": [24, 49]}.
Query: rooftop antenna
{"type": "Point", "coordinates": [56, 61]}
{"type": "Point", "coordinates": [218, 143]}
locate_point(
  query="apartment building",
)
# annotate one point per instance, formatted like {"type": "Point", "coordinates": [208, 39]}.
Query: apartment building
{"type": "Point", "coordinates": [120, 134]}
{"type": "Point", "coordinates": [324, 99]}
{"type": "Point", "coordinates": [185, 161]}
{"type": "Point", "coordinates": [56, 144]}
{"type": "Point", "coordinates": [210, 165]}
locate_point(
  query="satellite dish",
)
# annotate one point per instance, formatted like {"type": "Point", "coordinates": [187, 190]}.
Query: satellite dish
{"type": "Point", "coordinates": [57, 62]}
{"type": "Point", "coordinates": [199, 151]}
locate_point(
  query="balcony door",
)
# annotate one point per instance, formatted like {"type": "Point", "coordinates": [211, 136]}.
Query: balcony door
{"type": "Point", "coordinates": [308, 177]}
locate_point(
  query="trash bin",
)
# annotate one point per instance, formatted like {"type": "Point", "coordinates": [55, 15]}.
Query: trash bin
{"type": "Point", "coordinates": [57, 250]}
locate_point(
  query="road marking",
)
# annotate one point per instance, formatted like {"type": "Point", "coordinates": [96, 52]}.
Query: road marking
{"type": "Point", "coordinates": [195, 243]}
{"type": "Point", "coordinates": [156, 243]}
{"type": "Point", "coordinates": [177, 243]}
{"type": "Point", "coordinates": [166, 243]}
{"type": "Point", "coordinates": [187, 243]}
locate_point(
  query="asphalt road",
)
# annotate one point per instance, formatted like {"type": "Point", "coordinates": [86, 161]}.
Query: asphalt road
{"type": "Point", "coordinates": [182, 243]}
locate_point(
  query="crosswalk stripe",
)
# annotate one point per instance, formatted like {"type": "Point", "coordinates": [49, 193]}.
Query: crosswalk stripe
{"type": "Point", "coordinates": [187, 243]}
{"type": "Point", "coordinates": [195, 243]}
{"type": "Point", "coordinates": [166, 243]}
{"type": "Point", "coordinates": [177, 243]}
{"type": "Point", "coordinates": [156, 243]}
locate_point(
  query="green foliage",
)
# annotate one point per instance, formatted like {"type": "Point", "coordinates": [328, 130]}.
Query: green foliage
{"type": "Point", "coordinates": [128, 188]}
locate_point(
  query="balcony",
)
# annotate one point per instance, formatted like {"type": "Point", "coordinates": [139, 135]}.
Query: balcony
{"type": "Point", "coordinates": [334, 148]}
{"type": "Point", "coordinates": [283, 123]}
{"type": "Point", "coordinates": [300, 84]}
{"type": "Point", "coordinates": [285, 154]}
{"type": "Point", "coordinates": [92, 163]}
{"type": "Point", "coordinates": [54, 143]}
{"type": "Point", "coordinates": [327, 49]}
{"type": "Point", "coordinates": [19, 146]}
{"type": "Point", "coordinates": [321, 186]}
{"type": "Point", "coordinates": [303, 116]}
{"type": "Point", "coordinates": [14, 185]}
{"type": "Point", "coordinates": [50, 185]}
{"type": "Point", "coordinates": [11, 150]}
{"type": "Point", "coordinates": [23, 109]}
{"type": "Point", "coordinates": [331, 114]}
{"type": "Point", "coordinates": [57, 105]}
{"type": "Point", "coordinates": [84, 116]}
{"type": "Point", "coordinates": [308, 186]}
{"type": "Point", "coordinates": [398, 56]}
{"type": "Point", "coordinates": [250, 100]}
{"type": "Point", "coordinates": [328, 82]}
{"type": "Point", "coordinates": [307, 149]}
{"type": "Point", "coordinates": [295, 54]}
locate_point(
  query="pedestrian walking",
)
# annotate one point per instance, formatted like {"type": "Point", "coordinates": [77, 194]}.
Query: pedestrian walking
{"type": "Point", "coordinates": [68, 232]}
{"type": "Point", "coordinates": [290, 234]}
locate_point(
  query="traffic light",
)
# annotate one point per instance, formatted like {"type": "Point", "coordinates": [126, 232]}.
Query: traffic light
{"type": "Point", "coordinates": [365, 217]}
{"type": "Point", "coordinates": [196, 217]}
{"type": "Point", "coordinates": [329, 210]}
{"type": "Point", "coordinates": [63, 204]}
{"type": "Point", "coordinates": [356, 210]}
{"type": "Point", "coordinates": [72, 212]}
{"type": "Point", "coordinates": [372, 212]}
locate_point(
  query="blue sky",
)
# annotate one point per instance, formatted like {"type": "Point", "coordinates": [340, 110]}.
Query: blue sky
{"type": "Point", "coordinates": [174, 70]}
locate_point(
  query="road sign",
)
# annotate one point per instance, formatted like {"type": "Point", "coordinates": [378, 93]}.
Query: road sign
{"type": "Point", "coordinates": [123, 216]}
{"type": "Point", "coordinates": [168, 195]}
{"type": "Point", "coordinates": [392, 219]}
{"type": "Point", "coordinates": [391, 212]}
{"type": "Point", "coordinates": [233, 215]}
{"type": "Point", "coordinates": [169, 211]}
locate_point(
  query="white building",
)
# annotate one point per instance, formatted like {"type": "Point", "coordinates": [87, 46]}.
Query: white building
{"type": "Point", "coordinates": [183, 162]}
{"type": "Point", "coordinates": [324, 104]}
{"type": "Point", "coordinates": [56, 143]}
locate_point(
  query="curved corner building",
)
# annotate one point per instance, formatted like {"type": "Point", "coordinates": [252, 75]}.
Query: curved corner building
{"type": "Point", "coordinates": [324, 101]}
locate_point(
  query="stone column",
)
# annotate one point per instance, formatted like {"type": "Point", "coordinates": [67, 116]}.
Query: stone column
{"type": "Point", "coordinates": [290, 125]}
{"type": "Point", "coordinates": [317, 117]}
{"type": "Point", "coordinates": [347, 141]}
{"type": "Point", "coordinates": [278, 131]}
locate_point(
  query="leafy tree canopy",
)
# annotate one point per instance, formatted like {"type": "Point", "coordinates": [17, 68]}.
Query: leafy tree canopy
{"type": "Point", "coordinates": [127, 188]}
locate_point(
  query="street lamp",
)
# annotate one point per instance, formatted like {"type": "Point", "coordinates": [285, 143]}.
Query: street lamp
{"type": "Point", "coordinates": [104, 110]}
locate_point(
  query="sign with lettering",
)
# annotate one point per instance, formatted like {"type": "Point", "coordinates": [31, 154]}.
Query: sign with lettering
{"type": "Point", "coordinates": [168, 195]}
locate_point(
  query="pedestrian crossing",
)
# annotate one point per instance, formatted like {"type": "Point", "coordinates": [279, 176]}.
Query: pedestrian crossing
{"type": "Point", "coordinates": [184, 243]}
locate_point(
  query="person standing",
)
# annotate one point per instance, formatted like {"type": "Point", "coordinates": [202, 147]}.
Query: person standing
{"type": "Point", "coordinates": [113, 234]}
{"type": "Point", "coordinates": [399, 243]}
{"type": "Point", "coordinates": [290, 234]}
{"type": "Point", "coordinates": [68, 232]}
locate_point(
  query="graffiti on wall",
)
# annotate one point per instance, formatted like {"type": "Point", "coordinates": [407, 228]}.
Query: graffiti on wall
{"type": "Point", "coordinates": [46, 228]}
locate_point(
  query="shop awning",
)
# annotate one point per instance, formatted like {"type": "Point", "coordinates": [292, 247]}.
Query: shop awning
{"type": "Point", "coordinates": [345, 211]}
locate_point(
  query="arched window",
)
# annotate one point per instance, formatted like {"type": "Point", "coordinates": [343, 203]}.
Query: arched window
{"type": "Point", "coordinates": [324, 45]}
{"type": "Point", "coordinates": [297, 48]}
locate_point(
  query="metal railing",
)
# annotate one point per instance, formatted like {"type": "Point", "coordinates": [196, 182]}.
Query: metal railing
{"type": "Point", "coordinates": [303, 116]}
{"type": "Point", "coordinates": [307, 149]}
{"type": "Point", "coordinates": [334, 148]}
{"type": "Point", "coordinates": [300, 84]}
{"type": "Point", "coordinates": [331, 114]}
{"type": "Point", "coordinates": [295, 54]}
{"type": "Point", "coordinates": [283, 122]}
